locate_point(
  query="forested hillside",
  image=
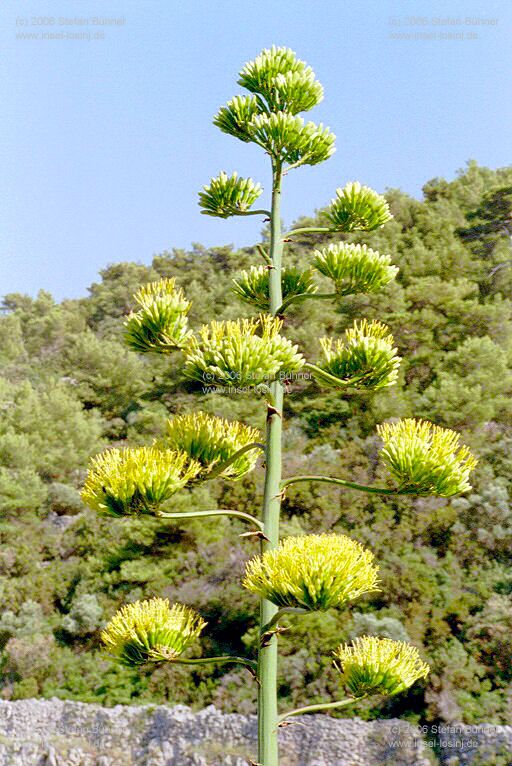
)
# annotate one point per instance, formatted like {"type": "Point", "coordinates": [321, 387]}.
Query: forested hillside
{"type": "Point", "coordinates": [69, 387]}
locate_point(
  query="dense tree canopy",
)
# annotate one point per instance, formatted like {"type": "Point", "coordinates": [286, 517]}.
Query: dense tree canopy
{"type": "Point", "coordinates": [69, 386]}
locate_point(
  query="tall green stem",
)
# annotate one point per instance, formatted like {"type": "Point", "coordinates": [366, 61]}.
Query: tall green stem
{"type": "Point", "coordinates": [268, 753]}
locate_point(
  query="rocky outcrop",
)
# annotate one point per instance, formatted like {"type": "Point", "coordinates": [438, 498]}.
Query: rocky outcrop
{"type": "Point", "coordinates": [60, 733]}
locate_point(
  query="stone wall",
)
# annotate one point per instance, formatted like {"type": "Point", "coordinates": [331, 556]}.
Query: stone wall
{"type": "Point", "coordinates": [59, 733]}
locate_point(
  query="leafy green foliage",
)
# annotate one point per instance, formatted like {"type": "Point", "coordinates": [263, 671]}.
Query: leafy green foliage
{"type": "Point", "coordinates": [85, 615]}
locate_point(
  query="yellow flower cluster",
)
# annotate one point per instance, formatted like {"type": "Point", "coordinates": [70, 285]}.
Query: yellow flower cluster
{"type": "Point", "coordinates": [354, 268]}
{"type": "Point", "coordinates": [136, 479]}
{"type": "Point", "coordinates": [161, 322]}
{"type": "Point", "coordinates": [211, 441]}
{"type": "Point", "coordinates": [365, 358]}
{"type": "Point", "coordinates": [426, 458]}
{"type": "Point", "coordinates": [357, 207]}
{"type": "Point", "coordinates": [314, 572]}
{"type": "Point", "coordinates": [372, 665]}
{"type": "Point", "coordinates": [151, 631]}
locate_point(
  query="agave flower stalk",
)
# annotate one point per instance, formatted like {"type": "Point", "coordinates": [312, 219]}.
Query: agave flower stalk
{"type": "Point", "coordinates": [297, 575]}
{"type": "Point", "coordinates": [268, 748]}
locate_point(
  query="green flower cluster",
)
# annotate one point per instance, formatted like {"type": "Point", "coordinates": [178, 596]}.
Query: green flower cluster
{"type": "Point", "coordinates": [235, 118]}
{"type": "Point", "coordinates": [357, 207]}
{"type": "Point", "coordinates": [151, 631]}
{"type": "Point", "coordinates": [365, 358]}
{"type": "Point", "coordinates": [292, 140]}
{"type": "Point", "coordinates": [354, 268]}
{"type": "Point", "coordinates": [226, 196]}
{"type": "Point", "coordinates": [285, 82]}
{"type": "Point", "coordinates": [252, 286]}
{"type": "Point", "coordinates": [244, 352]}
{"type": "Point", "coordinates": [161, 322]}
{"type": "Point", "coordinates": [281, 86]}
{"type": "Point", "coordinates": [313, 572]}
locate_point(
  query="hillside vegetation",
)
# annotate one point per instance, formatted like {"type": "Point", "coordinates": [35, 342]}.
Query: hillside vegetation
{"type": "Point", "coordinates": [69, 387]}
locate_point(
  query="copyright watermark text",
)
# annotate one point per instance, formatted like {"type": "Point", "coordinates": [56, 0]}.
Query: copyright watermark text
{"type": "Point", "coordinates": [86, 28]}
{"type": "Point", "coordinates": [439, 27]}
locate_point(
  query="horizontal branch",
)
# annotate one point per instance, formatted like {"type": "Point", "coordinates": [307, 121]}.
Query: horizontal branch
{"type": "Point", "coordinates": [253, 212]}
{"type": "Point", "coordinates": [220, 512]}
{"type": "Point", "coordinates": [320, 706]}
{"type": "Point", "coordinates": [350, 386]}
{"type": "Point", "coordinates": [251, 664]}
{"type": "Point", "coordinates": [294, 165]}
{"type": "Point", "coordinates": [304, 296]}
{"type": "Point", "coordinates": [309, 230]}
{"type": "Point", "coordinates": [222, 466]}
{"type": "Point", "coordinates": [327, 376]}
{"type": "Point", "coordinates": [348, 484]}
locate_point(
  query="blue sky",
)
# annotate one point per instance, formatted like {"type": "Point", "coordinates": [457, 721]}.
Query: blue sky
{"type": "Point", "coordinates": [105, 142]}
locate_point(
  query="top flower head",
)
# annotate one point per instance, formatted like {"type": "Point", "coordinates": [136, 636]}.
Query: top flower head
{"type": "Point", "coordinates": [285, 82]}
{"type": "Point", "coordinates": [281, 86]}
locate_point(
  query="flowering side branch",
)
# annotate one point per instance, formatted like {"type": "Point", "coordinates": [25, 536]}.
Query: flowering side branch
{"type": "Point", "coordinates": [320, 706]}
{"type": "Point", "coordinates": [349, 484]}
{"type": "Point", "coordinates": [220, 512]}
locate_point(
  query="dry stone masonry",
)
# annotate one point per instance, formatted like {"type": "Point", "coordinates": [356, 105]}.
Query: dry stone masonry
{"type": "Point", "coordinates": [61, 733]}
